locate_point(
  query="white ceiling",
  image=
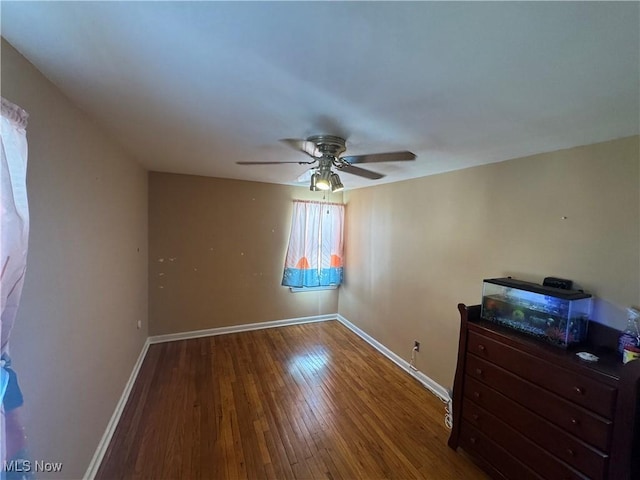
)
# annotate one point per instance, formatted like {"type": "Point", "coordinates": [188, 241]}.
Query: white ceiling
{"type": "Point", "coordinates": [193, 87]}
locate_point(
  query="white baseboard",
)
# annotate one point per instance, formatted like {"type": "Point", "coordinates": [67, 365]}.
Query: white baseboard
{"type": "Point", "coordinates": [94, 465]}
{"type": "Point", "coordinates": [239, 328]}
{"type": "Point", "coordinates": [428, 383]}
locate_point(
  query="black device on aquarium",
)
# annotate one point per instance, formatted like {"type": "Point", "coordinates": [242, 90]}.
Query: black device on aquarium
{"type": "Point", "coordinates": [554, 315]}
{"type": "Point", "coordinates": [557, 283]}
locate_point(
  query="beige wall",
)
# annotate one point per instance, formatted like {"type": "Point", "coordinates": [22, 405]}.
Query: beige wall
{"type": "Point", "coordinates": [415, 249]}
{"type": "Point", "coordinates": [216, 254]}
{"type": "Point", "coordinates": [75, 341]}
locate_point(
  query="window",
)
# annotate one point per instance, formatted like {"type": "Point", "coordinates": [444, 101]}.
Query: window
{"type": "Point", "coordinates": [14, 234]}
{"type": "Point", "coordinates": [314, 257]}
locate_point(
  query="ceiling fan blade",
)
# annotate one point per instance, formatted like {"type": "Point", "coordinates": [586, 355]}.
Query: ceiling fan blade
{"type": "Point", "coordinates": [380, 157]}
{"type": "Point", "coordinates": [306, 176]}
{"type": "Point", "coordinates": [361, 172]}
{"type": "Point", "coordinates": [303, 146]}
{"type": "Point", "coordinates": [273, 163]}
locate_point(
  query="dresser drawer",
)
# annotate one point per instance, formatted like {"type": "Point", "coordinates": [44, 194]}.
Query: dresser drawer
{"type": "Point", "coordinates": [472, 440]}
{"type": "Point", "coordinates": [582, 423]}
{"type": "Point", "coordinates": [574, 452]}
{"type": "Point", "coordinates": [584, 391]}
{"type": "Point", "coordinates": [518, 445]}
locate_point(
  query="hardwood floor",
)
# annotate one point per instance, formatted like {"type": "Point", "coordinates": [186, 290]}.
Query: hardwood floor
{"type": "Point", "coordinates": [304, 401]}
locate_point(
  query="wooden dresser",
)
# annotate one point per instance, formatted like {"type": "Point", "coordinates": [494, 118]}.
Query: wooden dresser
{"type": "Point", "coordinates": [527, 410]}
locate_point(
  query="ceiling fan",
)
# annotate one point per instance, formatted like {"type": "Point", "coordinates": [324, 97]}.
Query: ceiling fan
{"type": "Point", "coordinates": [326, 151]}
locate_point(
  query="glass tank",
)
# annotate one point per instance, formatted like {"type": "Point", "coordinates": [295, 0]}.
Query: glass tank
{"type": "Point", "coordinates": [557, 316]}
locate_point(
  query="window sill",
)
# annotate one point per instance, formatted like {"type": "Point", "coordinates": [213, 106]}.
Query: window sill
{"type": "Point", "coordinates": [312, 289]}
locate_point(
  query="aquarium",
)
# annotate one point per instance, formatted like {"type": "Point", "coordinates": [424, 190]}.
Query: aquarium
{"type": "Point", "coordinates": [554, 315]}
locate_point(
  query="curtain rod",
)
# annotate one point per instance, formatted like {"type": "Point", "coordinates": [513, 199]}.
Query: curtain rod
{"type": "Point", "coordinates": [319, 203]}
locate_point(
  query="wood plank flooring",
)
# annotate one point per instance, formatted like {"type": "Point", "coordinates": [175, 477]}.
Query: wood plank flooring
{"type": "Point", "coordinates": [304, 401]}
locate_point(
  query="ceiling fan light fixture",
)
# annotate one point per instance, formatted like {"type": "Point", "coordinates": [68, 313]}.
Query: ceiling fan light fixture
{"type": "Point", "coordinates": [323, 181]}
{"type": "Point", "coordinates": [314, 181]}
{"type": "Point", "coordinates": [336, 184]}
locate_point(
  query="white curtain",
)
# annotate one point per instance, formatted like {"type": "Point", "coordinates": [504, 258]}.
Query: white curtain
{"type": "Point", "coordinates": [14, 226]}
{"type": "Point", "coordinates": [314, 257]}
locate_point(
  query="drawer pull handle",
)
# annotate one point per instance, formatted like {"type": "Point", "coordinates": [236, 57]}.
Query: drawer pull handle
{"type": "Point", "coordinates": [575, 421]}
{"type": "Point", "coordinates": [478, 371]}
{"type": "Point", "coordinates": [476, 394]}
{"type": "Point", "coordinates": [578, 390]}
{"type": "Point", "coordinates": [571, 452]}
{"type": "Point", "coordinates": [481, 347]}
{"type": "Point", "coordinates": [473, 440]}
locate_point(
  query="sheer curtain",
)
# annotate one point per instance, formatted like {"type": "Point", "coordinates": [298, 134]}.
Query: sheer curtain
{"type": "Point", "coordinates": [314, 256]}
{"type": "Point", "coordinates": [14, 229]}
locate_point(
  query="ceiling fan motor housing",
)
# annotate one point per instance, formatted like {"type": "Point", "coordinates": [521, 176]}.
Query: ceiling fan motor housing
{"type": "Point", "coordinates": [328, 145]}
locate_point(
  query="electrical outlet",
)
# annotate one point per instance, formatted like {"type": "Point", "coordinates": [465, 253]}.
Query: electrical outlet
{"type": "Point", "coordinates": [416, 345]}
{"type": "Point", "coordinates": [139, 325]}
